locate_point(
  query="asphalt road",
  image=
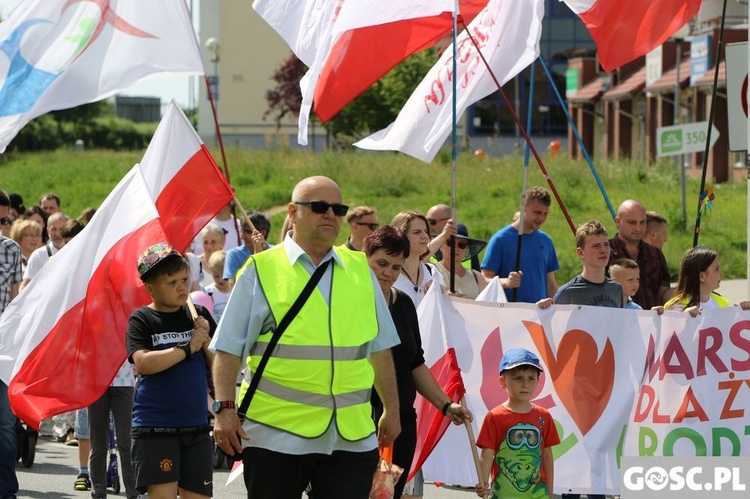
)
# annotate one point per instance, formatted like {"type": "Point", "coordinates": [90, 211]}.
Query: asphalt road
{"type": "Point", "coordinates": [55, 469]}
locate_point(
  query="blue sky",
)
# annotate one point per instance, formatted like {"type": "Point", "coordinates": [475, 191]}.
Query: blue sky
{"type": "Point", "coordinates": [166, 88]}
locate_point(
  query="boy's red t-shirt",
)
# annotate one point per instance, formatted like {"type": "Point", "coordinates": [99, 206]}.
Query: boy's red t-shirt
{"type": "Point", "coordinates": [515, 433]}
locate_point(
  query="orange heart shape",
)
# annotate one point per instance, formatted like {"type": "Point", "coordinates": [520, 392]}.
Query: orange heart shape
{"type": "Point", "coordinates": [582, 379]}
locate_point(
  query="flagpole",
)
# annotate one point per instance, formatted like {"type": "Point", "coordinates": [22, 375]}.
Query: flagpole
{"type": "Point", "coordinates": [472, 443]}
{"type": "Point", "coordinates": [578, 137]}
{"type": "Point", "coordinates": [221, 146]}
{"type": "Point", "coordinates": [529, 114]}
{"type": "Point", "coordinates": [454, 148]}
{"type": "Point", "coordinates": [523, 132]}
{"type": "Point", "coordinates": [717, 59]}
{"type": "Point", "coordinates": [245, 218]}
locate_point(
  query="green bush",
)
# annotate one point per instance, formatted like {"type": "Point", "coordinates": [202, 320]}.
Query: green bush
{"type": "Point", "coordinates": [94, 125]}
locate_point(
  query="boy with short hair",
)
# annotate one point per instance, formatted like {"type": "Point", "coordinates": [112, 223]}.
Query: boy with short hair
{"type": "Point", "coordinates": [220, 289]}
{"type": "Point", "coordinates": [518, 434]}
{"type": "Point", "coordinates": [626, 272]}
{"type": "Point", "coordinates": [171, 447]}
{"type": "Point", "coordinates": [592, 286]}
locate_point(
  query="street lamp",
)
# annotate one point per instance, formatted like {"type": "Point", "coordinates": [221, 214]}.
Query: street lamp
{"type": "Point", "coordinates": [678, 37]}
{"type": "Point", "coordinates": [214, 48]}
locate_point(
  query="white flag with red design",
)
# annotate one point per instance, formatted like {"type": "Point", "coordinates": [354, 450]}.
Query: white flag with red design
{"type": "Point", "coordinates": [508, 33]}
{"type": "Point", "coordinates": [62, 339]}
{"type": "Point", "coordinates": [57, 54]}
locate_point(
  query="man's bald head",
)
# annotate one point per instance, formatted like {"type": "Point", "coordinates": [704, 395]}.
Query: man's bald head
{"type": "Point", "coordinates": [438, 216]}
{"type": "Point", "coordinates": [308, 186]}
{"type": "Point", "coordinates": [631, 221]}
{"type": "Point", "coordinates": [314, 231]}
{"type": "Point", "coordinates": [629, 205]}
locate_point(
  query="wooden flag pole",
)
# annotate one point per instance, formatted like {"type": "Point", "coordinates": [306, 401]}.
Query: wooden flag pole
{"type": "Point", "coordinates": [245, 218]}
{"type": "Point", "coordinates": [473, 443]}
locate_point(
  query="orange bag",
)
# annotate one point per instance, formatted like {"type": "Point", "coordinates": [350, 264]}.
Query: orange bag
{"type": "Point", "coordinates": [386, 475]}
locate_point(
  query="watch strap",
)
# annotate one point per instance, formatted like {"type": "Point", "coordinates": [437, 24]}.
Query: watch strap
{"type": "Point", "coordinates": [226, 404]}
{"type": "Point", "coordinates": [185, 347]}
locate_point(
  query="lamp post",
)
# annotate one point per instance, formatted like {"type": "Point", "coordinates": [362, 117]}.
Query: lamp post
{"type": "Point", "coordinates": [678, 38]}
{"type": "Point", "coordinates": [214, 48]}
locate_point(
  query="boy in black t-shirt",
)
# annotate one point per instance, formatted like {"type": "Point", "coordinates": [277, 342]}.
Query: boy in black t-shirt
{"type": "Point", "coordinates": [171, 446]}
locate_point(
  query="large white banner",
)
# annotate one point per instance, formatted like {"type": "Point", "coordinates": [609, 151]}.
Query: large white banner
{"type": "Point", "coordinates": [617, 382]}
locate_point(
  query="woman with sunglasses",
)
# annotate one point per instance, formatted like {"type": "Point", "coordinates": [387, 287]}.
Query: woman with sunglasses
{"type": "Point", "coordinates": [386, 249]}
{"type": "Point", "coordinates": [468, 283]}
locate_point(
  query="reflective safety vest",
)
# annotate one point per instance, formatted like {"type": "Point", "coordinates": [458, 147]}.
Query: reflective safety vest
{"type": "Point", "coordinates": [320, 369]}
{"type": "Point", "coordinates": [720, 300]}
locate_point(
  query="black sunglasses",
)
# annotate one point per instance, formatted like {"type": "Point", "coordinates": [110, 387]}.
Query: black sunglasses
{"type": "Point", "coordinates": [321, 207]}
{"type": "Point", "coordinates": [433, 221]}
{"type": "Point", "coordinates": [369, 226]}
{"type": "Point", "coordinates": [5, 221]}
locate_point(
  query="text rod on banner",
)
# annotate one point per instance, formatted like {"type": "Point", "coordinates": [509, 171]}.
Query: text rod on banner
{"type": "Point", "coordinates": [70, 321]}
{"type": "Point", "coordinates": [617, 383]}
{"type": "Point", "coordinates": [61, 53]}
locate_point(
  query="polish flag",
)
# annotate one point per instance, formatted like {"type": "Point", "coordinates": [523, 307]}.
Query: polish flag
{"type": "Point", "coordinates": [348, 45]}
{"type": "Point", "coordinates": [62, 339]}
{"type": "Point", "coordinates": [508, 33]}
{"type": "Point", "coordinates": [361, 56]}
{"type": "Point", "coordinates": [440, 356]}
{"type": "Point", "coordinates": [626, 30]}
{"type": "Point", "coordinates": [58, 54]}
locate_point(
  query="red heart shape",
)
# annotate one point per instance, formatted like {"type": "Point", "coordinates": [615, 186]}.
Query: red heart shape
{"type": "Point", "coordinates": [582, 379]}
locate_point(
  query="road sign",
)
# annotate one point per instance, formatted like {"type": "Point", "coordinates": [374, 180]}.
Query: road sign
{"type": "Point", "coordinates": [684, 139]}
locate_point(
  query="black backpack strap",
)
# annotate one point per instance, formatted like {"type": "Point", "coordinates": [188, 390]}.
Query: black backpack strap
{"type": "Point", "coordinates": [283, 324]}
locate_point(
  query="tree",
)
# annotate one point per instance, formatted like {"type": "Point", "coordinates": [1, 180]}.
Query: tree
{"type": "Point", "coordinates": [286, 98]}
{"type": "Point", "coordinates": [375, 109]}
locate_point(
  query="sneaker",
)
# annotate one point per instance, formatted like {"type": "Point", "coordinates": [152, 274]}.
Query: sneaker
{"type": "Point", "coordinates": [82, 482]}
{"type": "Point", "coordinates": [71, 440]}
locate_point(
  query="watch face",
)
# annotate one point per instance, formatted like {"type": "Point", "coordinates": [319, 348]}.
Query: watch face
{"type": "Point", "coordinates": [216, 406]}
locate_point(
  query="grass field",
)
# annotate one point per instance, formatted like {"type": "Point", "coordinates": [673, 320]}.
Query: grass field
{"type": "Point", "coordinates": [488, 191]}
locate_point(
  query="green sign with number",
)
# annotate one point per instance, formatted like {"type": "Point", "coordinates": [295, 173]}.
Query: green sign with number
{"type": "Point", "coordinates": [684, 139]}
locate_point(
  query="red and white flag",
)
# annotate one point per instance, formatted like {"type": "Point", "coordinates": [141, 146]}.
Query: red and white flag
{"type": "Point", "coordinates": [62, 339]}
{"type": "Point", "coordinates": [440, 357]}
{"type": "Point", "coordinates": [361, 56]}
{"type": "Point", "coordinates": [626, 30]}
{"type": "Point", "coordinates": [57, 54]}
{"type": "Point", "coordinates": [348, 46]}
{"type": "Point", "coordinates": [508, 33]}
{"type": "Point", "coordinates": [313, 27]}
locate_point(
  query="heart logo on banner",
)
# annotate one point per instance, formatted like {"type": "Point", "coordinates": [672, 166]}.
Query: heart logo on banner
{"type": "Point", "coordinates": [582, 379]}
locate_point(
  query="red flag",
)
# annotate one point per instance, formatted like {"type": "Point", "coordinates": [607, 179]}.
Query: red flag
{"type": "Point", "coordinates": [361, 56]}
{"type": "Point", "coordinates": [626, 30]}
{"type": "Point", "coordinates": [431, 424]}
{"type": "Point", "coordinates": [62, 339]}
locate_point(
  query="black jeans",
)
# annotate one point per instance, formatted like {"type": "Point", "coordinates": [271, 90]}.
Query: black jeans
{"type": "Point", "coordinates": [342, 475]}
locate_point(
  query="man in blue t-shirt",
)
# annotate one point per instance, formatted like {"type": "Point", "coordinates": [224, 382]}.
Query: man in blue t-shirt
{"type": "Point", "coordinates": [255, 241]}
{"type": "Point", "coordinates": [535, 277]}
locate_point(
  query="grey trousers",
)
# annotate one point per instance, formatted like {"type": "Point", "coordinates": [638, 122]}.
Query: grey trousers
{"type": "Point", "coordinates": [118, 399]}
